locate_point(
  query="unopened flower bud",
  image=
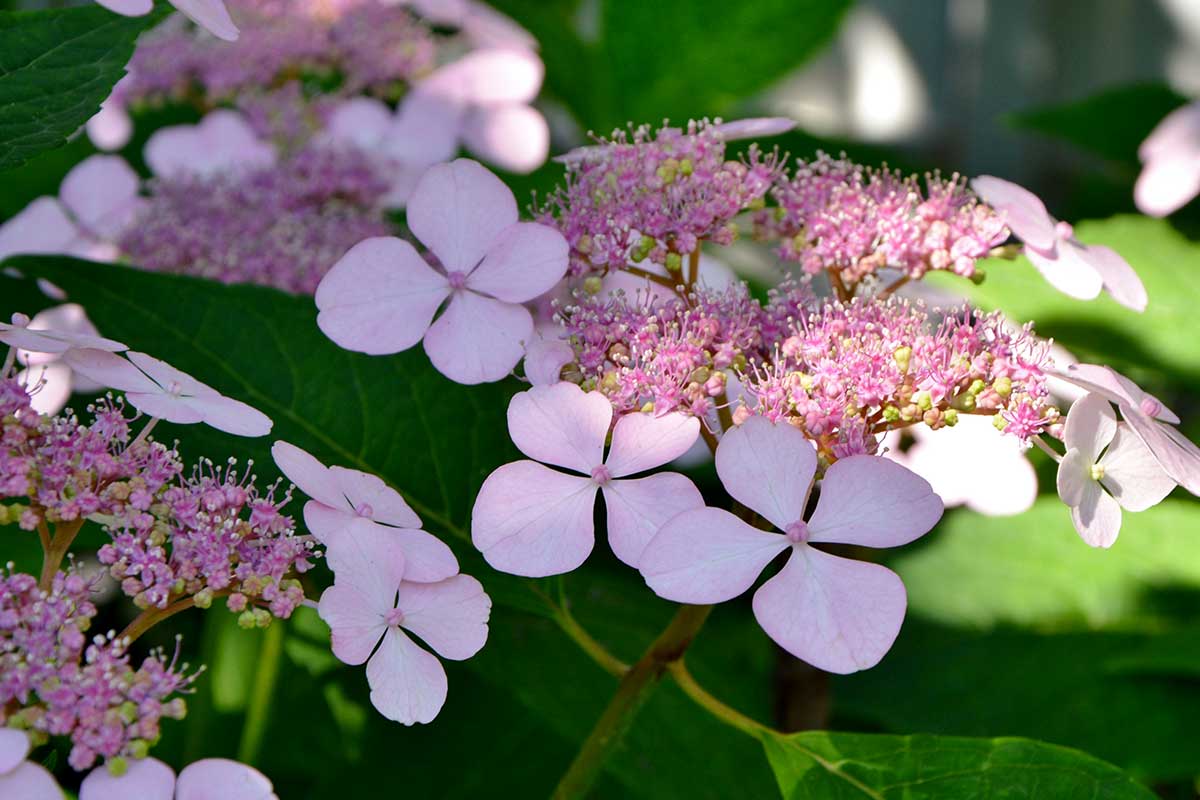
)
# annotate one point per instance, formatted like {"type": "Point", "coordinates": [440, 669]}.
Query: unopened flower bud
{"type": "Point", "coordinates": [203, 598]}
{"type": "Point", "coordinates": [950, 417]}
{"type": "Point", "coordinates": [246, 620]}
{"type": "Point", "coordinates": [923, 400]}
{"type": "Point", "coordinates": [674, 262]}
{"type": "Point", "coordinates": [1002, 386]}
{"type": "Point", "coordinates": [902, 357]}
{"type": "Point", "coordinates": [976, 387]}
{"type": "Point", "coordinates": [964, 402]}
{"type": "Point", "coordinates": [592, 285]}
{"type": "Point", "coordinates": [117, 766]}
{"type": "Point", "coordinates": [891, 413]}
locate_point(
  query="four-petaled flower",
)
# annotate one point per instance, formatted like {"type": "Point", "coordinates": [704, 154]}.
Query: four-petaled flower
{"type": "Point", "coordinates": [1075, 269]}
{"type": "Point", "coordinates": [837, 614]}
{"type": "Point", "coordinates": [381, 297]}
{"type": "Point", "coordinates": [371, 605]}
{"type": "Point", "coordinates": [532, 520]}
{"type": "Point", "coordinates": [345, 500]}
{"type": "Point", "coordinates": [1106, 468]}
{"type": "Point", "coordinates": [161, 391]}
{"type": "Point", "coordinates": [151, 779]}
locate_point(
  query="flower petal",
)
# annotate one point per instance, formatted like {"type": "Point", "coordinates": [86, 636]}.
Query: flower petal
{"type": "Point", "coordinates": [642, 441]}
{"type": "Point", "coordinates": [371, 559]}
{"type": "Point", "coordinates": [109, 369]}
{"type": "Point", "coordinates": [873, 502]}
{"type": "Point", "coordinates": [1068, 269]}
{"type": "Point", "coordinates": [526, 261]}
{"type": "Point", "coordinates": [1120, 280]}
{"type": "Point", "coordinates": [837, 614]}
{"type": "Point", "coordinates": [707, 555]}
{"type": "Point", "coordinates": [425, 131]}
{"type": "Point", "coordinates": [380, 297]}
{"type": "Point", "coordinates": [128, 8]}
{"type": "Point", "coordinates": [544, 360]}
{"type": "Point", "coordinates": [364, 490]}
{"type": "Point", "coordinates": [768, 468]}
{"type": "Point", "coordinates": [222, 779]}
{"type": "Point", "coordinates": [229, 415]}
{"type": "Point", "coordinates": [1097, 518]}
{"type": "Point", "coordinates": [458, 210]}
{"type": "Point", "coordinates": [210, 15]}
{"type": "Point", "coordinates": [42, 227]}
{"type": "Point", "coordinates": [489, 76]}
{"type": "Point", "coordinates": [1167, 184]}
{"type": "Point", "coordinates": [356, 623]}
{"type": "Point", "coordinates": [638, 508]}
{"type": "Point", "coordinates": [1109, 383]}
{"type": "Point", "coordinates": [361, 122]}
{"type": "Point", "coordinates": [512, 136]}
{"type": "Point", "coordinates": [1178, 456]}
{"type": "Point", "coordinates": [1090, 426]}
{"type": "Point", "coordinates": [754, 128]}
{"type": "Point", "coordinates": [14, 746]}
{"type": "Point", "coordinates": [30, 781]}
{"type": "Point", "coordinates": [1074, 474]}
{"type": "Point", "coordinates": [310, 475]}
{"type": "Point", "coordinates": [144, 778]}
{"type": "Point", "coordinates": [221, 142]}
{"type": "Point", "coordinates": [408, 684]}
{"type": "Point", "coordinates": [1021, 209]}
{"type": "Point", "coordinates": [450, 616]}
{"type": "Point", "coordinates": [1131, 473]}
{"type": "Point", "coordinates": [102, 193]}
{"type": "Point", "coordinates": [1176, 135]}
{"type": "Point", "coordinates": [531, 520]}
{"type": "Point", "coordinates": [478, 339]}
{"type": "Point", "coordinates": [561, 424]}
{"type": "Point", "coordinates": [427, 559]}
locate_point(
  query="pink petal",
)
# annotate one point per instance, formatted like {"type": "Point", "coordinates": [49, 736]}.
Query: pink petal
{"type": "Point", "coordinates": [361, 122]}
{"type": "Point", "coordinates": [102, 193]}
{"type": "Point", "coordinates": [128, 8]}
{"type": "Point", "coordinates": [1111, 384]}
{"type": "Point", "coordinates": [425, 131]}
{"type": "Point", "coordinates": [1021, 209]}
{"type": "Point", "coordinates": [221, 142]}
{"type": "Point", "coordinates": [1097, 518]}
{"type": "Point", "coordinates": [492, 76]}
{"type": "Point", "coordinates": [458, 210]}
{"type": "Point", "coordinates": [837, 614]}
{"type": "Point", "coordinates": [165, 407]}
{"type": "Point", "coordinates": [478, 339]}
{"type": "Point", "coordinates": [229, 415]}
{"type": "Point", "coordinates": [754, 128]}
{"type": "Point", "coordinates": [639, 507]}
{"type": "Point", "coordinates": [1090, 426]}
{"type": "Point", "coordinates": [370, 559]}
{"type": "Point", "coordinates": [544, 360]}
{"type": "Point", "coordinates": [514, 137]}
{"type": "Point", "coordinates": [111, 128]}
{"type": "Point", "coordinates": [427, 559]}
{"type": "Point", "coordinates": [450, 616]}
{"type": "Point", "coordinates": [531, 520]}
{"type": "Point", "coordinates": [525, 261]}
{"type": "Point", "coordinates": [145, 779]}
{"type": "Point", "coordinates": [1131, 473]}
{"type": "Point", "coordinates": [68, 318]}
{"type": "Point", "coordinates": [355, 620]}
{"type": "Point", "coordinates": [408, 684]}
{"type": "Point", "coordinates": [380, 297]}
{"type": "Point", "coordinates": [1178, 456]}
{"type": "Point", "coordinates": [374, 498]}
{"type": "Point", "coordinates": [1074, 475]}
{"type": "Point", "coordinates": [310, 475]}
{"type": "Point", "coordinates": [14, 746]}
{"type": "Point", "coordinates": [50, 340]}
{"type": "Point", "coordinates": [30, 781]}
{"type": "Point", "coordinates": [487, 27]}
{"type": "Point", "coordinates": [768, 468]}
{"type": "Point", "coordinates": [222, 779]}
{"type": "Point", "coordinates": [109, 369]}
{"type": "Point", "coordinates": [707, 555]}
{"type": "Point", "coordinates": [42, 227]}
{"type": "Point", "coordinates": [1167, 184]}
{"type": "Point", "coordinates": [1068, 269]}
{"type": "Point", "coordinates": [642, 441]}
{"type": "Point", "coordinates": [561, 424]}
{"type": "Point", "coordinates": [1120, 280]}
{"type": "Point", "coordinates": [1176, 135]}
{"type": "Point", "coordinates": [873, 502]}
{"type": "Point", "coordinates": [48, 386]}
{"type": "Point", "coordinates": [210, 15]}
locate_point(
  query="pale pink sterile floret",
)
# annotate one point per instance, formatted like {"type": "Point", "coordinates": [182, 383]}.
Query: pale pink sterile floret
{"type": "Point", "coordinates": [1074, 268]}
{"type": "Point", "coordinates": [222, 142]}
{"type": "Point", "coordinates": [159, 390]}
{"type": "Point", "coordinates": [381, 297]}
{"type": "Point", "coordinates": [1149, 419]}
{"type": "Point", "coordinates": [151, 779]}
{"type": "Point", "coordinates": [52, 380]}
{"type": "Point", "coordinates": [23, 779]}
{"type": "Point", "coordinates": [531, 520]}
{"type": "Point", "coordinates": [1170, 157]}
{"type": "Point", "coordinates": [1106, 468]}
{"type": "Point", "coordinates": [345, 500]}
{"type": "Point", "coordinates": [970, 464]}
{"type": "Point", "coordinates": [37, 336]}
{"type": "Point", "coordinates": [371, 609]}
{"type": "Point", "coordinates": [208, 14]}
{"type": "Point", "coordinates": [835, 613]}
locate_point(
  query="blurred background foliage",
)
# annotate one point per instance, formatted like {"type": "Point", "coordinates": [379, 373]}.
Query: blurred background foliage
{"type": "Point", "coordinates": [1016, 628]}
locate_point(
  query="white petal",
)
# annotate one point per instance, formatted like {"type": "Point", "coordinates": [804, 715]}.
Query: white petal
{"type": "Point", "coordinates": [1131, 473]}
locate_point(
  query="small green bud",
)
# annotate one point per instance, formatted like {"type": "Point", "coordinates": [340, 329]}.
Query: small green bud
{"type": "Point", "coordinates": [950, 417]}
{"type": "Point", "coordinates": [117, 766]}
{"type": "Point", "coordinates": [674, 262]}
{"type": "Point", "coordinates": [999, 422]}
{"type": "Point", "coordinates": [891, 414]}
{"type": "Point", "coordinates": [203, 598]}
{"type": "Point", "coordinates": [976, 387]}
{"type": "Point", "coordinates": [685, 167]}
{"type": "Point", "coordinates": [964, 402]}
{"type": "Point", "coordinates": [1002, 386]}
{"type": "Point", "coordinates": [978, 277]}
{"type": "Point", "coordinates": [128, 711]}
{"type": "Point", "coordinates": [246, 620]}
{"type": "Point", "coordinates": [902, 357]}
{"type": "Point", "coordinates": [139, 748]}
{"type": "Point", "coordinates": [923, 400]}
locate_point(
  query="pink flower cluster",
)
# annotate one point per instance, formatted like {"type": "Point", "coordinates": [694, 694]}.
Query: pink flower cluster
{"type": "Point", "coordinates": [56, 683]}
{"type": "Point", "coordinates": [654, 195]}
{"type": "Point", "coordinates": [835, 214]}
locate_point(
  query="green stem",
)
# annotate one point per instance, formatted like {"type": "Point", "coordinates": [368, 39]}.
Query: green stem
{"type": "Point", "coordinates": [261, 695]}
{"type": "Point", "coordinates": [632, 692]}
{"type": "Point", "coordinates": [596, 651]}
{"type": "Point", "coordinates": [59, 544]}
{"type": "Point", "coordinates": [723, 712]}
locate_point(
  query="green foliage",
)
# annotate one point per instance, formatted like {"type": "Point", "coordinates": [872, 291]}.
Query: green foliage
{"type": "Point", "coordinates": [849, 766]}
{"type": "Point", "coordinates": [56, 67]}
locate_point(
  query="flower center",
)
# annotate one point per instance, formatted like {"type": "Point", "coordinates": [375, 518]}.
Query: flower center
{"type": "Point", "coordinates": [1063, 230]}
{"type": "Point", "coordinates": [1150, 407]}
{"type": "Point", "coordinates": [365, 510]}
{"type": "Point", "coordinates": [457, 278]}
{"type": "Point", "coordinates": [1097, 471]}
{"type": "Point", "coordinates": [797, 532]}
{"type": "Point", "coordinates": [393, 618]}
{"type": "Point", "coordinates": [601, 475]}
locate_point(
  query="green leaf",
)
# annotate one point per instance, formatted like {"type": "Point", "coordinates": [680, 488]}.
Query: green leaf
{"type": "Point", "coordinates": [56, 67]}
{"type": "Point", "coordinates": [848, 766]}
{"type": "Point", "coordinates": [1033, 569]}
{"type": "Point", "coordinates": [1111, 124]}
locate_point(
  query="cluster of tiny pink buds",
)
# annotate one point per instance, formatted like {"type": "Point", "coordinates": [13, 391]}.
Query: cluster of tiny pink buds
{"type": "Point", "coordinates": [645, 195]}
{"type": "Point", "coordinates": [212, 535]}
{"type": "Point", "coordinates": [851, 371]}
{"type": "Point", "coordinates": [54, 682]}
{"type": "Point", "coordinates": [835, 214]}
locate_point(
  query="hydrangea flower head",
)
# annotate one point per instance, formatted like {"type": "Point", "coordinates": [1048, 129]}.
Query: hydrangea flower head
{"type": "Point", "coordinates": [381, 297]}
{"type": "Point", "coordinates": [835, 613]}
{"type": "Point", "coordinates": [531, 520]}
